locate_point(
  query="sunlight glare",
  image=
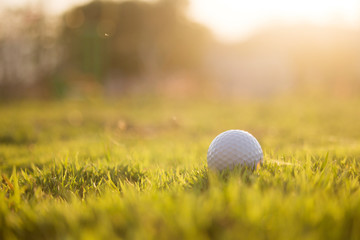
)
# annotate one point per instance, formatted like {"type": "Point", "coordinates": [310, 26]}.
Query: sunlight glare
{"type": "Point", "coordinates": [231, 19]}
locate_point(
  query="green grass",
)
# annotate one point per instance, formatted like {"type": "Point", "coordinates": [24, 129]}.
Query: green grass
{"type": "Point", "coordinates": [137, 168]}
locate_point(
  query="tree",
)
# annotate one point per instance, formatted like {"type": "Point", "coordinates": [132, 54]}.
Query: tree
{"type": "Point", "coordinates": [133, 37]}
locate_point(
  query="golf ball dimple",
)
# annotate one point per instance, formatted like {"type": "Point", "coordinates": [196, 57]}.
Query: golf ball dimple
{"type": "Point", "coordinates": [234, 147]}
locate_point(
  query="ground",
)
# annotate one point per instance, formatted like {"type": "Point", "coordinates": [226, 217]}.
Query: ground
{"type": "Point", "coordinates": [136, 168]}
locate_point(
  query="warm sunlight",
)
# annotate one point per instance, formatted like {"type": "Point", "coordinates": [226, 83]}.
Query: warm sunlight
{"type": "Point", "coordinates": [179, 119]}
{"type": "Point", "coordinates": [232, 19]}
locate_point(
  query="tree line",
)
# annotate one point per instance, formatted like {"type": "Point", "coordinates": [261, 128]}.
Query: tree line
{"type": "Point", "coordinates": [101, 39]}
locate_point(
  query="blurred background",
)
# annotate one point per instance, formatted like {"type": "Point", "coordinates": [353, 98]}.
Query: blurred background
{"type": "Point", "coordinates": [57, 49]}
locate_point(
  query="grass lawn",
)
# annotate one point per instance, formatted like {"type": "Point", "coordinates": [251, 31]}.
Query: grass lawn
{"type": "Point", "coordinates": [136, 168]}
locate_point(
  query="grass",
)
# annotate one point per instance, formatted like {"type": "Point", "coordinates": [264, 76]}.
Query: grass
{"type": "Point", "coordinates": [136, 168]}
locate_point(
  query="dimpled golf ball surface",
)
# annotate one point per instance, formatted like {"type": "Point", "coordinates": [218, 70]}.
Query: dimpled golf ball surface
{"type": "Point", "coordinates": [234, 147]}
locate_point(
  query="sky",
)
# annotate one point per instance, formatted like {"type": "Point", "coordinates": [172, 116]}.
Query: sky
{"type": "Point", "coordinates": [233, 20]}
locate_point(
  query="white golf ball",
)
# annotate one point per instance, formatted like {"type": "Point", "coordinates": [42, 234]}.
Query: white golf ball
{"type": "Point", "coordinates": [232, 148]}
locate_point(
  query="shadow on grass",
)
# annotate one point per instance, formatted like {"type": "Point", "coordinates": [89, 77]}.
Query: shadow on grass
{"type": "Point", "coordinates": [65, 180]}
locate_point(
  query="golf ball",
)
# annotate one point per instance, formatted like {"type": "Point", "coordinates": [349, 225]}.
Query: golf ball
{"type": "Point", "coordinates": [234, 147]}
